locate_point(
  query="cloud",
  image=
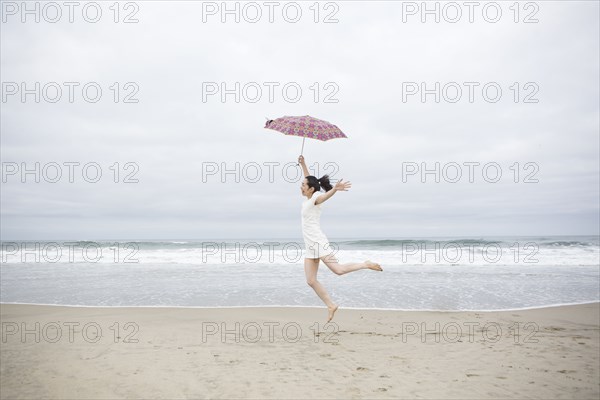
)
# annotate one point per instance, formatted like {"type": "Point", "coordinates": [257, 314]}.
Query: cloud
{"type": "Point", "coordinates": [171, 134]}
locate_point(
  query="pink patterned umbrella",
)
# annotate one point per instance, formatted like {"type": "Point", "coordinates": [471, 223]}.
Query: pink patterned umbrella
{"type": "Point", "coordinates": [306, 127]}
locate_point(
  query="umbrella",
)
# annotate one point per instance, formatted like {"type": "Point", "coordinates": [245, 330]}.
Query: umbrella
{"type": "Point", "coordinates": [306, 127]}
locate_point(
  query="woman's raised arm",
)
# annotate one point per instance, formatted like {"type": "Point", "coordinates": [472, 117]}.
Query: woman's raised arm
{"type": "Point", "coordinates": [303, 164]}
{"type": "Point", "coordinates": [339, 187]}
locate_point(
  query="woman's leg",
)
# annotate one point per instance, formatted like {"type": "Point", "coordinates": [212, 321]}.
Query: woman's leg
{"type": "Point", "coordinates": [341, 269]}
{"type": "Point", "coordinates": [311, 266]}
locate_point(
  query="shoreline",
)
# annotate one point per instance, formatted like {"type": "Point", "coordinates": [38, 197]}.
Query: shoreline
{"type": "Point", "coordinates": [315, 307]}
{"type": "Point", "coordinates": [290, 352]}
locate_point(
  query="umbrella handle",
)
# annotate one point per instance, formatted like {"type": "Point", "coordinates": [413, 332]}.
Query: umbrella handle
{"type": "Point", "coordinates": [302, 151]}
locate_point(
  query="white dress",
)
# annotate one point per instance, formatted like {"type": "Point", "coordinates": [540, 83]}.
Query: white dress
{"type": "Point", "coordinates": [315, 240]}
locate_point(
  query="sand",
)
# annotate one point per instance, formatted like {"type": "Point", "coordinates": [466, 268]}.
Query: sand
{"type": "Point", "coordinates": [89, 352]}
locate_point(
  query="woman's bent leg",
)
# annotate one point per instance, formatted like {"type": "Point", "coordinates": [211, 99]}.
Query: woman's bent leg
{"type": "Point", "coordinates": [341, 269]}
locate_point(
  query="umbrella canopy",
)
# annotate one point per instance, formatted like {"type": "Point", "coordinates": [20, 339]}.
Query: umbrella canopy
{"type": "Point", "coordinates": [305, 126]}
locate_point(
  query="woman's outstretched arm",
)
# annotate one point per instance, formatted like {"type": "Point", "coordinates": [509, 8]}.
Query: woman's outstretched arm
{"type": "Point", "coordinates": [340, 186]}
{"type": "Point", "coordinates": [303, 164]}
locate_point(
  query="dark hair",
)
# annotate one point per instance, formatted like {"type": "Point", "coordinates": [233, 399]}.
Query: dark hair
{"type": "Point", "coordinates": [316, 184]}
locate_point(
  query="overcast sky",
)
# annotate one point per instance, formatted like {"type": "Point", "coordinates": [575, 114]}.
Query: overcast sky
{"type": "Point", "coordinates": [363, 64]}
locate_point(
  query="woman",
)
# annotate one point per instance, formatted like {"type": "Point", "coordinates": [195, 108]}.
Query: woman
{"type": "Point", "coordinates": [317, 245]}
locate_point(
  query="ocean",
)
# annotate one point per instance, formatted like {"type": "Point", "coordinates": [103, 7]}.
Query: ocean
{"type": "Point", "coordinates": [448, 274]}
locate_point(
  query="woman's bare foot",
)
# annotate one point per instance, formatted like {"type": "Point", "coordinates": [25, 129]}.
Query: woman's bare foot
{"type": "Point", "coordinates": [332, 311]}
{"type": "Point", "coordinates": [373, 266]}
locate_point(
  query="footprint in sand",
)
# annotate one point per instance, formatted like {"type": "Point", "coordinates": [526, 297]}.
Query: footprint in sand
{"type": "Point", "coordinates": [554, 328]}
